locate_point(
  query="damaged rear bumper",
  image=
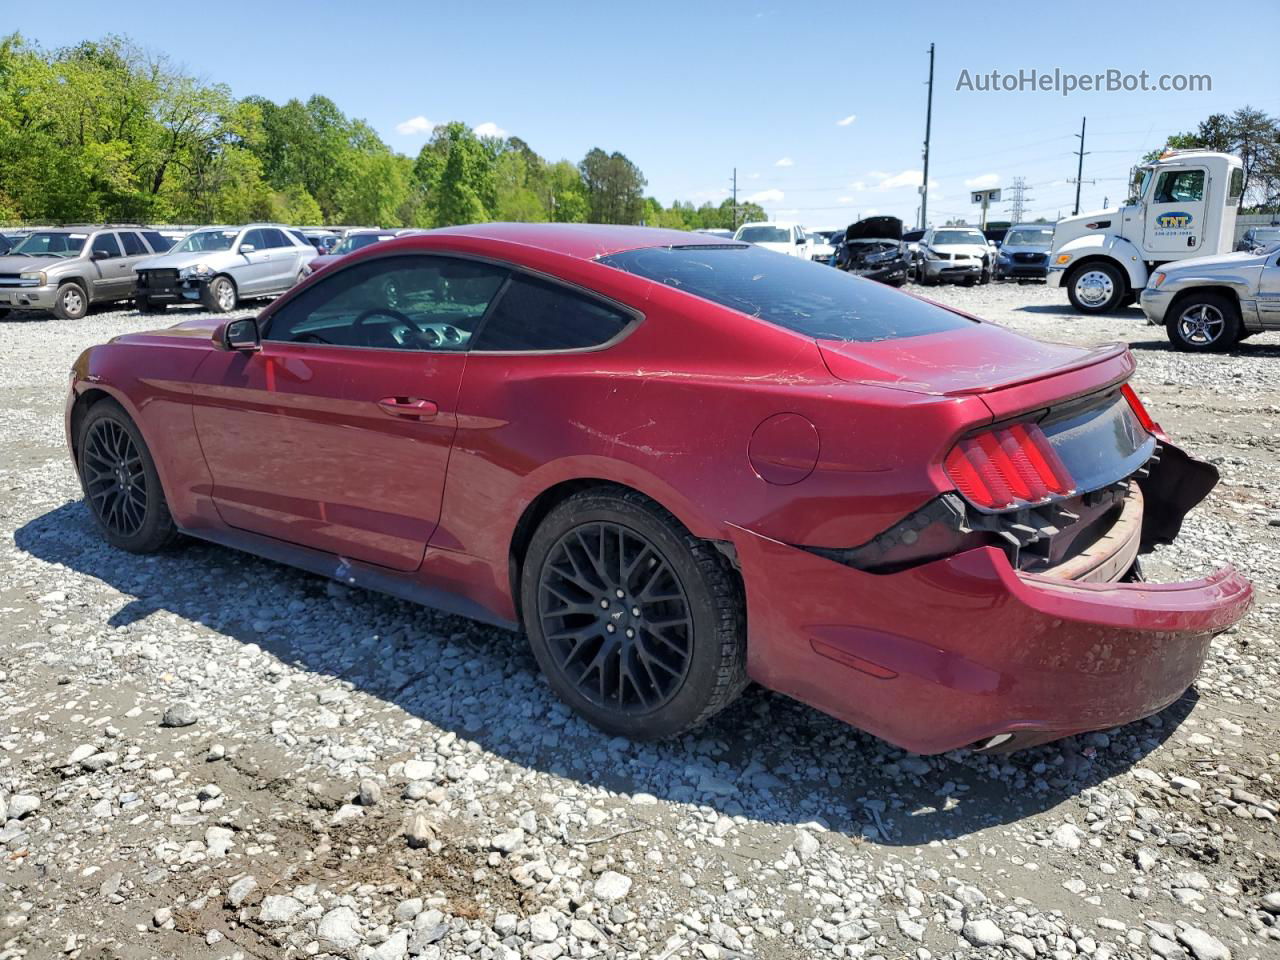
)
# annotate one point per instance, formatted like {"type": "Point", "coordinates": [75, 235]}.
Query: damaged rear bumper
{"type": "Point", "coordinates": [960, 650]}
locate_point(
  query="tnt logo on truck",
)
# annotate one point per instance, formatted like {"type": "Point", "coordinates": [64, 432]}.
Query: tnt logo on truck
{"type": "Point", "coordinates": [1174, 219]}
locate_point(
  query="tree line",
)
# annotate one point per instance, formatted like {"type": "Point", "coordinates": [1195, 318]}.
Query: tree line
{"type": "Point", "coordinates": [107, 131]}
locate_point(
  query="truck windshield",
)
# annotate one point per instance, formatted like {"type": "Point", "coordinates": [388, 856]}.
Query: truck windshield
{"type": "Point", "coordinates": [764, 235]}
{"type": "Point", "coordinates": [52, 245]}
{"type": "Point", "coordinates": [207, 240]}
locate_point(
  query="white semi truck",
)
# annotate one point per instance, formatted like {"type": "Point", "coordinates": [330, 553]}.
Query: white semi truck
{"type": "Point", "coordinates": [1184, 206]}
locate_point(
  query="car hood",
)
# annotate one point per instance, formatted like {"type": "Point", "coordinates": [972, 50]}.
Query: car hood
{"type": "Point", "coordinates": [874, 228]}
{"type": "Point", "coordinates": [176, 261]}
{"type": "Point", "coordinates": [30, 264]}
{"type": "Point", "coordinates": [1226, 260]}
{"type": "Point", "coordinates": [975, 360]}
{"type": "Point", "coordinates": [322, 261]}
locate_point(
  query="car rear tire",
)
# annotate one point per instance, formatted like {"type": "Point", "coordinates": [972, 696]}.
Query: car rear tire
{"type": "Point", "coordinates": [151, 306]}
{"type": "Point", "coordinates": [120, 482]}
{"type": "Point", "coordinates": [219, 295]}
{"type": "Point", "coordinates": [70, 302]}
{"type": "Point", "coordinates": [1204, 323]}
{"type": "Point", "coordinates": [1098, 287]}
{"type": "Point", "coordinates": [636, 623]}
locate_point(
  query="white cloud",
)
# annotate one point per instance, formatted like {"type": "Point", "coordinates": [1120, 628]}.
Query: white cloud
{"type": "Point", "coordinates": [418, 124]}
{"type": "Point", "coordinates": [753, 176]}
{"type": "Point", "coordinates": [845, 121]}
{"type": "Point", "coordinates": [907, 178]}
{"type": "Point", "coordinates": [490, 129]}
{"type": "Point", "coordinates": [844, 199]}
{"type": "Point", "coordinates": [984, 182]}
{"type": "Point", "coordinates": [766, 196]}
{"type": "Point", "coordinates": [858, 186]}
{"type": "Point", "coordinates": [785, 162]}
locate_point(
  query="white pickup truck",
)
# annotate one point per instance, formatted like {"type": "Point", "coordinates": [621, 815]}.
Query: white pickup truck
{"type": "Point", "coordinates": [1184, 206]}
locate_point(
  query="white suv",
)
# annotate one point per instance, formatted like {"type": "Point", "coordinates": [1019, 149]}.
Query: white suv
{"type": "Point", "coordinates": [788, 238]}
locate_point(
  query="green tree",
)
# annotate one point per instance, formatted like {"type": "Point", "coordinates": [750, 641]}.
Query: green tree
{"type": "Point", "coordinates": [613, 186]}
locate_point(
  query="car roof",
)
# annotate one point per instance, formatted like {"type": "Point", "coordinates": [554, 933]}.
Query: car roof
{"type": "Point", "coordinates": [586, 241]}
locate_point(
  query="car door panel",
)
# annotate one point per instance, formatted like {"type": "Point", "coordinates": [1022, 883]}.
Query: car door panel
{"type": "Point", "coordinates": [301, 449]}
{"type": "Point", "coordinates": [251, 270]}
{"type": "Point", "coordinates": [1175, 220]}
{"type": "Point", "coordinates": [113, 278]}
{"type": "Point", "coordinates": [1269, 294]}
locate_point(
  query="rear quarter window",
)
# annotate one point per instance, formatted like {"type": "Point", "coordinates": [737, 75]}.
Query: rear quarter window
{"type": "Point", "coordinates": [533, 315]}
{"type": "Point", "coordinates": [808, 298]}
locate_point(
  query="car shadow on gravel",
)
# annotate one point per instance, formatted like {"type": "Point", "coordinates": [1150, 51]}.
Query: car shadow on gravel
{"type": "Point", "coordinates": [766, 758]}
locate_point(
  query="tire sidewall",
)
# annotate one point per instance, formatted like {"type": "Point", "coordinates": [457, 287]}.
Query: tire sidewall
{"type": "Point", "coordinates": [1230, 331]}
{"type": "Point", "coordinates": [157, 526]}
{"type": "Point", "coordinates": [60, 311]}
{"type": "Point", "coordinates": [700, 681]}
{"type": "Point", "coordinates": [210, 297]}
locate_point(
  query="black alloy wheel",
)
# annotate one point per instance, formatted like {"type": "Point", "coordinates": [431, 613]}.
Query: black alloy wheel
{"type": "Point", "coordinates": [616, 618]}
{"type": "Point", "coordinates": [114, 479]}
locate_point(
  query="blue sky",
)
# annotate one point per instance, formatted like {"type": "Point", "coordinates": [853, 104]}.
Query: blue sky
{"type": "Point", "coordinates": [689, 90]}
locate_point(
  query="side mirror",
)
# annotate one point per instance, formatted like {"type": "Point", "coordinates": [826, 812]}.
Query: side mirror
{"type": "Point", "coordinates": [247, 248]}
{"type": "Point", "coordinates": [800, 240]}
{"type": "Point", "coordinates": [240, 334]}
{"type": "Point", "coordinates": [97, 254]}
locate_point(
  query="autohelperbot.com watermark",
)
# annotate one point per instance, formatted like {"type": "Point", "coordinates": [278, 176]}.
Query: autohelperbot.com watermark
{"type": "Point", "coordinates": [1065, 82]}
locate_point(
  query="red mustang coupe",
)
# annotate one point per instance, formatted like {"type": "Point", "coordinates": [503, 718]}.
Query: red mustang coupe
{"type": "Point", "coordinates": [680, 464]}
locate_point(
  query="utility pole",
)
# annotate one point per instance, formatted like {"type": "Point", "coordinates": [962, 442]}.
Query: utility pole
{"type": "Point", "coordinates": [735, 199]}
{"type": "Point", "coordinates": [1079, 166]}
{"type": "Point", "coordinates": [928, 125]}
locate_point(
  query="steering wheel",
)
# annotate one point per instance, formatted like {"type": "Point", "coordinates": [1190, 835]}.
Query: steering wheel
{"type": "Point", "coordinates": [397, 334]}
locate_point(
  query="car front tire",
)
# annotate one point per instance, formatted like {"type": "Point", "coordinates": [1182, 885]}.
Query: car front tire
{"type": "Point", "coordinates": [219, 295]}
{"type": "Point", "coordinates": [120, 482]}
{"type": "Point", "coordinates": [637, 624]}
{"type": "Point", "coordinates": [1204, 323]}
{"type": "Point", "coordinates": [71, 302]}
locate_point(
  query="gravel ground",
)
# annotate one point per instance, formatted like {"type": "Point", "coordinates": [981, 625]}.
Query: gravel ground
{"type": "Point", "coordinates": [209, 756]}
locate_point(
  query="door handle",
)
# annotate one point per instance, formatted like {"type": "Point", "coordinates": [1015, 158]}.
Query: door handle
{"type": "Point", "coordinates": [412, 407]}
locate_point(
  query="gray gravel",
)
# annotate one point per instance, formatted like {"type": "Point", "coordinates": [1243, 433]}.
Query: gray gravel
{"type": "Point", "coordinates": [209, 756]}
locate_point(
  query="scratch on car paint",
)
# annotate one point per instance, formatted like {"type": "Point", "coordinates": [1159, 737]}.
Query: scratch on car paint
{"type": "Point", "coordinates": [616, 439]}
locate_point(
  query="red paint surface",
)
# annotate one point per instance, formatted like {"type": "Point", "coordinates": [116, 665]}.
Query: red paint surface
{"type": "Point", "coordinates": [293, 443]}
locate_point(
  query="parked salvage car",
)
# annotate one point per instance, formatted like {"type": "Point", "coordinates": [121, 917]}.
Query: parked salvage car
{"type": "Point", "coordinates": [353, 241]}
{"type": "Point", "coordinates": [218, 266]}
{"type": "Point", "coordinates": [821, 250]}
{"type": "Point", "coordinates": [1024, 253]}
{"type": "Point", "coordinates": [1256, 237]}
{"type": "Point", "coordinates": [921, 523]}
{"type": "Point", "coordinates": [873, 248]}
{"type": "Point", "coordinates": [788, 239]}
{"type": "Point", "coordinates": [954, 253]}
{"type": "Point", "coordinates": [1211, 303]}
{"type": "Point", "coordinates": [66, 269]}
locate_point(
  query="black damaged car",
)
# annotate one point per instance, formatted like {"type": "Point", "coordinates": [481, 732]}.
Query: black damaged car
{"type": "Point", "coordinates": [873, 248]}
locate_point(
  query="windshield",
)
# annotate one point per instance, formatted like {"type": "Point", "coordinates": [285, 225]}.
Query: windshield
{"type": "Point", "coordinates": [52, 244]}
{"type": "Point", "coordinates": [1030, 237]}
{"type": "Point", "coordinates": [1265, 238]}
{"type": "Point", "coordinates": [357, 240]}
{"type": "Point", "coordinates": [207, 240]}
{"type": "Point", "coordinates": [797, 294]}
{"type": "Point", "coordinates": [959, 236]}
{"type": "Point", "coordinates": [764, 234]}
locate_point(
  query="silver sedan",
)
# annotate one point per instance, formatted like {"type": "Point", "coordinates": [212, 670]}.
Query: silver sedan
{"type": "Point", "coordinates": [1210, 303]}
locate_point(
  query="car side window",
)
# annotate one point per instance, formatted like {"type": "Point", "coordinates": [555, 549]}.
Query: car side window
{"type": "Point", "coordinates": [273, 238]}
{"type": "Point", "coordinates": [414, 302]}
{"type": "Point", "coordinates": [253, 238]}
{"type": "Point", "coordinates": [106, 243]}
{"type": "Point", "coordinates": [1180, 186]}
{"type": "Point", "coordinates": [158, 241]}
{"type": "Point", "coordinates": [533, 314]}
{"type": "Point", "coordinates": [133, 245]}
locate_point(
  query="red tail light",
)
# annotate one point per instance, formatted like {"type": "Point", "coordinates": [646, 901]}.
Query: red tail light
{"type": "Point", "coordinates": [1008, 467]}
{"type": "Point", "coordinates": [1140, 411]}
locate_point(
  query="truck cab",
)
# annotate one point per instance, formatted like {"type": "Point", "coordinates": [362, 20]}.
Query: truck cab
{"type": "Point", "coordinates": [1184, 205]}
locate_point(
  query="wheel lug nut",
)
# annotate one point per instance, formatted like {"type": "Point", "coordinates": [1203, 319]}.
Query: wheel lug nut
{"type": "Point", "coordinates": [604, 604]}
{"type": "Point", "coordinates": [635, 611]}
{"type": "Point", "coordinates": [619, 594]}
{"type": "Point", "coordinates": [630, 632]}
{"type": "Point", "coordinates": [610, 627]}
